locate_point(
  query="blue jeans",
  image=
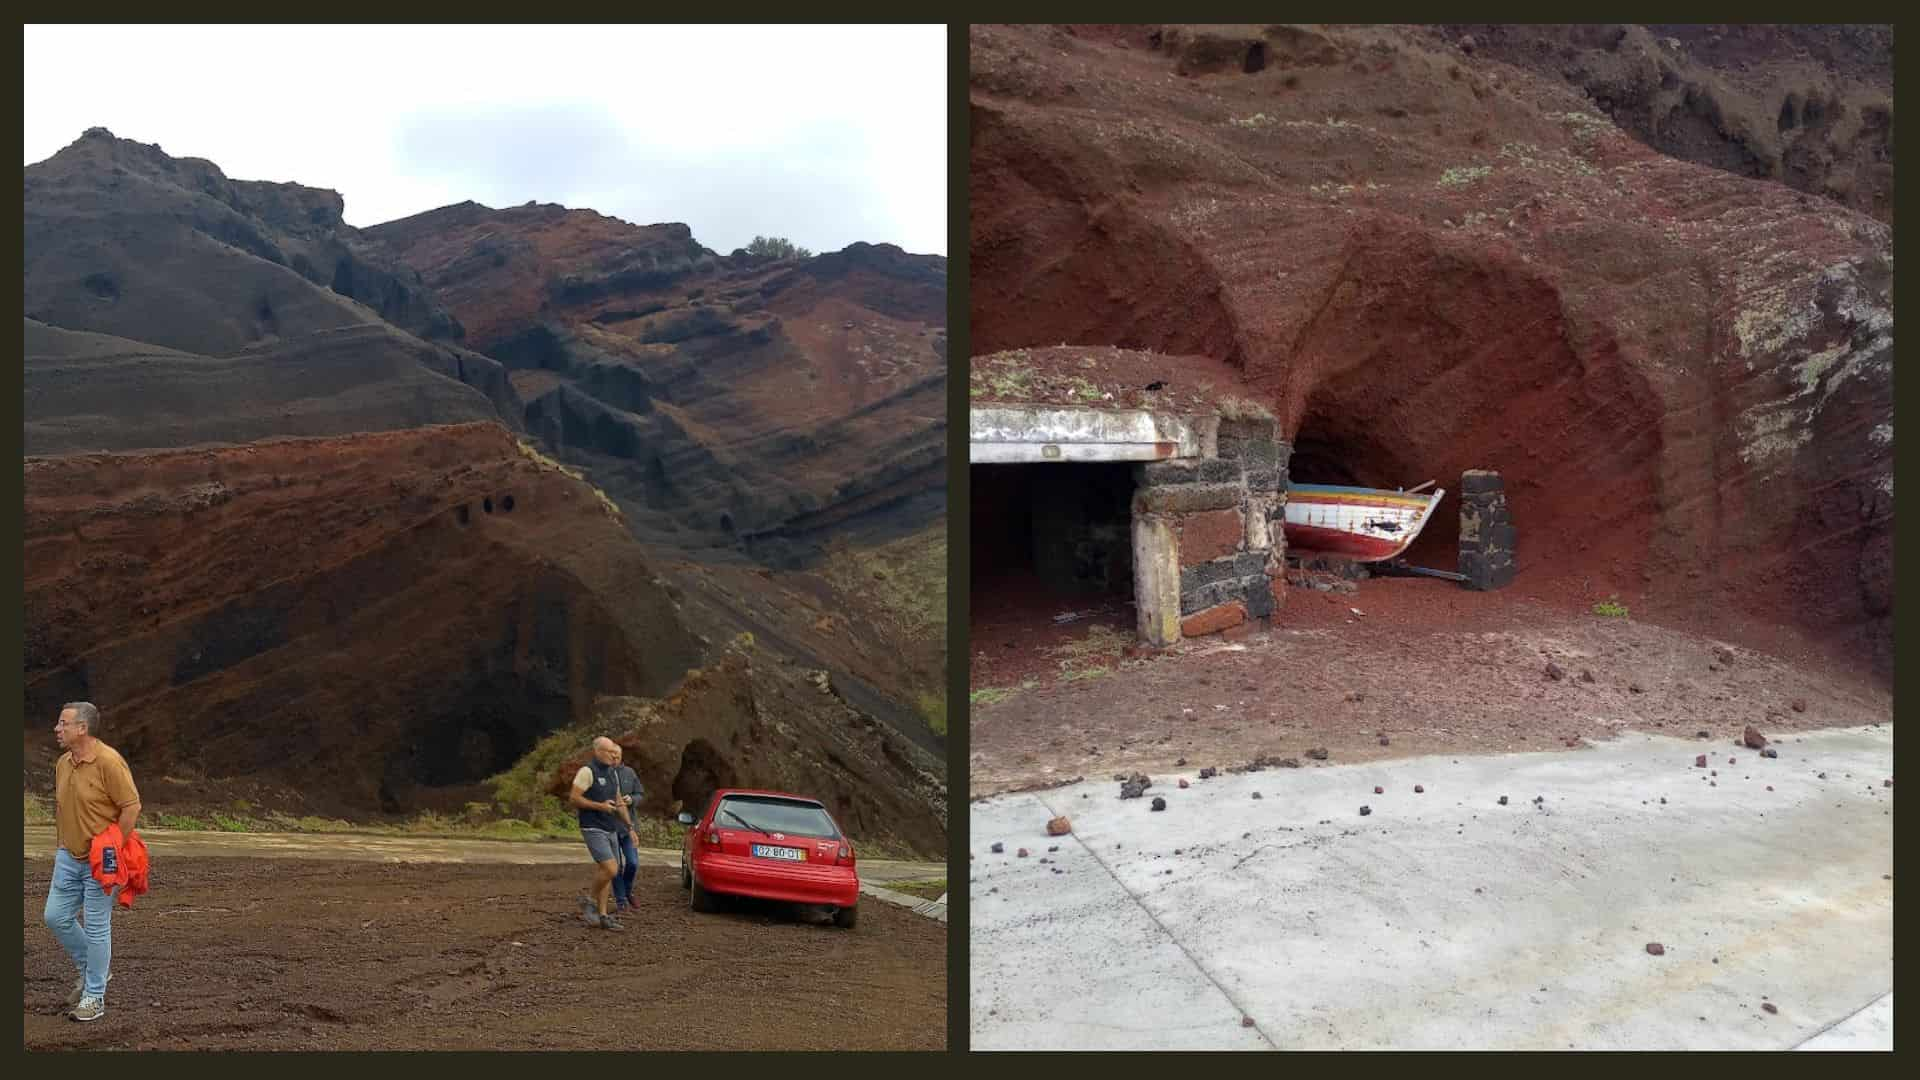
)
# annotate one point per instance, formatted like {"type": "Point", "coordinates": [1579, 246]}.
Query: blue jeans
{"type": "Point", "coordinates": [91, 946]}
{"type": "Point", "coordinates": [623, 881]}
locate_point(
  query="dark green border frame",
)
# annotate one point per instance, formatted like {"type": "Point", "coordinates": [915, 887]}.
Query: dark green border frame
{"type": "Point", "coordinates": [959, 349]}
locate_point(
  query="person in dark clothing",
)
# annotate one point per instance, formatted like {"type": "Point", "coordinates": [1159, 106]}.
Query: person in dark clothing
{"type": "Point", "coordinates": [596, 795]}
{"type": "Point", "coordinates": [627, 784]}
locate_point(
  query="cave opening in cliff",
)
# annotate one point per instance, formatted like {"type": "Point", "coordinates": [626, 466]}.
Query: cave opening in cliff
{"type": "Point", "coordinates": [482, 733]}
{"type": "Point", "coordinates": [506, 503]}
{"type": "Point", "coordinates": [1333, 448]}
{"type": "Point", "coordinates": [1049, 537]}
{"type": "Point", "coordinates": [703, 771]}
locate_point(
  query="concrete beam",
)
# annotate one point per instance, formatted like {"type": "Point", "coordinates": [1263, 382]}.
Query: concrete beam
{"type": "Point", "coordinates": [1021, 435]}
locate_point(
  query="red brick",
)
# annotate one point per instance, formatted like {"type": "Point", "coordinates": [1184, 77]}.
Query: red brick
{"type": "Point", "coordinates": [1213, 620]}
{"type": "Point", "coordinates": [1208, 535]}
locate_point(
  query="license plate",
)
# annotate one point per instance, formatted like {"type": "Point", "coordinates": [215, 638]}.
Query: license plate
{"type": "Point", "coordinates": [791, 854]}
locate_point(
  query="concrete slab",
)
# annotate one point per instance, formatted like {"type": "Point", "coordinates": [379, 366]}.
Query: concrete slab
{"type": "Point", "coordinates": [932, 909]}
{"type": "Point", "coordinates": [1445, 920]}
{"type": "Point", "coordinates": [1017, 434]}
{"type": "Point", "coordinates": [1869, 1029]}
{"type": "Point", "coordinates": [1072, 959]}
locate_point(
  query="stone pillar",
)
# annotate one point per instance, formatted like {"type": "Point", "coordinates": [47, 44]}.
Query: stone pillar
{"type": "Point", "coordinates": [1486, 531]}
{"type": "Point", "coordinates": [1156, 579]}
{"type": "Point", "coordinates": [1207, 533]}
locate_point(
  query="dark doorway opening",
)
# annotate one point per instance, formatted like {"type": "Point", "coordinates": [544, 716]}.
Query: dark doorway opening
{"type": "Point", "coordinates": [1052, 555]}
{"type": "Point", "coordinates": [1065, 531]}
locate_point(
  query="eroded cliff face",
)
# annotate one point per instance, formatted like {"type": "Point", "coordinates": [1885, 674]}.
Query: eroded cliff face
{"type": "Point", "coordinates": [774, 429]}
{"type": "Point", "coordinates": [1808, 106]}
{"type": "Point", "coordinates": [373, 622]}
{"type": "Point", "coordinates": [1426, 263]}
{"type": "Point", "coordinates": [725, 401]}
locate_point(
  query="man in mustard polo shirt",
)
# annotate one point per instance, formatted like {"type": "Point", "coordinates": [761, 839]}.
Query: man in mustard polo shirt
{"type": "Point", "coordinates": [92, 789]}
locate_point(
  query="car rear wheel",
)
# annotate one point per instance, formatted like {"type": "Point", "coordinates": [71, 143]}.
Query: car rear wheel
{"type": "Point", "coordinates": [686, 876]}
{"type": "Point", "coordinates": [846, 917]}
{"type": "Point", "coordinates": [701, 898]}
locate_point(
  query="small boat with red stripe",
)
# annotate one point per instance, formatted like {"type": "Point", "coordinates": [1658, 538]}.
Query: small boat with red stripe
{"type": "Point", "coordinates": [1363, 524]}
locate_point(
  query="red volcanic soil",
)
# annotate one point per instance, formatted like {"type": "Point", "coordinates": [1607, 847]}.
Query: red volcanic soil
{"type": "Point", "coordinates": [1430, 667]}
{"type": "Point", "coordinates": [1425, 261]}
{"type": "Point", "coordinates": [1106, 378]}
{"type": "Point", "coordinates": [370, 956]}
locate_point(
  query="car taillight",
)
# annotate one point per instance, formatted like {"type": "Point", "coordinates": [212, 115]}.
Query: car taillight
{"type": "Point", "coordinates": [845, 857]}
{"type": "Point", "coordinates": [713, 836]}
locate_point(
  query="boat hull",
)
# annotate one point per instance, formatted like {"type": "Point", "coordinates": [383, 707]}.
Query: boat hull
{"type": "Point", "coordinates": [1363, 524]}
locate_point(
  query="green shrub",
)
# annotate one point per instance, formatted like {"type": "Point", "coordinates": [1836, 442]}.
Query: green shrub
{"type": "Point", "coordinates": [933, 709]}
{"type": "Point", "coordinates": [989, 695]}
{"type": "Point", "coordinates": [777, 247]}
{"type": "Point", "coordinates": [1462, 175]}
{"type": "Point", "coordinates": [1611, 607]}
{"type": "Point", "coordinates": [520, 792]}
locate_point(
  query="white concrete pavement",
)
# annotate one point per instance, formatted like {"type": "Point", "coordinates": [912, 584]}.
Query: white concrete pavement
{"type": "Point", "coordinates": [1869, 1029]}
{"type": "Point", "coordinates": [1444, 920]}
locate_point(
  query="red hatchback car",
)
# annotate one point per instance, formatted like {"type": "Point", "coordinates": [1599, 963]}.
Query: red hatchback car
{"type": "Point", "coordinates": [773, 846]}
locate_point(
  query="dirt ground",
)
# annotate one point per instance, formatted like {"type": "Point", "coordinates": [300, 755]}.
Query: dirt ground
{"type": "Point", "coordinates": [259, 954]}
{"type": "Point", "coordinates": [1428, 666]}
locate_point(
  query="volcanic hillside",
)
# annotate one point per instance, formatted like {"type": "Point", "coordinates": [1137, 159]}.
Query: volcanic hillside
{"type": "Point", "coordinates": [296, 535]}
{"type": "Point", "coordinates": [1427, 260]}
{"type": "Point", "coordinates": [774, 429]}
{"type": "Point", "coordinates": [716, 398]}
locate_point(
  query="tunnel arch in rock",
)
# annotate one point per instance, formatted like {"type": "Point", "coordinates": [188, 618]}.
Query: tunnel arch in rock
{"type": "Point", "coordinates": [1425, 362]}
{"type": "Point", "coordinates": [703, 771]}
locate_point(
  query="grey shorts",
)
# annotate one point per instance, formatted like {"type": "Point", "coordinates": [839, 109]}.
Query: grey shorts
{"type": "Point", "coordinates": [602, 845]}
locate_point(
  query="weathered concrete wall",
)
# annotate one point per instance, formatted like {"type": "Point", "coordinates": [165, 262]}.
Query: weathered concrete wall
{"type": "Point", "coordinates": [1486, 531]}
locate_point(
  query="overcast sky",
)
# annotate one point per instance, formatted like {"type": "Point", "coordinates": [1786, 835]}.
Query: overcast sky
{"type": "Point", "coordinates": [824, 135]}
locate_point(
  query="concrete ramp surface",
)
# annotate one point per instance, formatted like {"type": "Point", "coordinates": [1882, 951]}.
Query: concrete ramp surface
{"type": "Point", "coordinates": [1444, 919]}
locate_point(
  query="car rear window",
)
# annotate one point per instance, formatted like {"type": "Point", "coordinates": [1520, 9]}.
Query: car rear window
{"type": "Point", "coordinates": [774, 815]}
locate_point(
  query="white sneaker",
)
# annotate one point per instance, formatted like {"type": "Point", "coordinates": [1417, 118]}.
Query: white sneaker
{"type": "Point", "coordinates": [80, 989]}
{"type": "Point", "coordinates": [90, 1008]}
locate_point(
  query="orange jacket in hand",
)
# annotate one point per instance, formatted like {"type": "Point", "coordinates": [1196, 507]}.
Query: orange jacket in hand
{"type": "Point", "coordinates": [121, 862]}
